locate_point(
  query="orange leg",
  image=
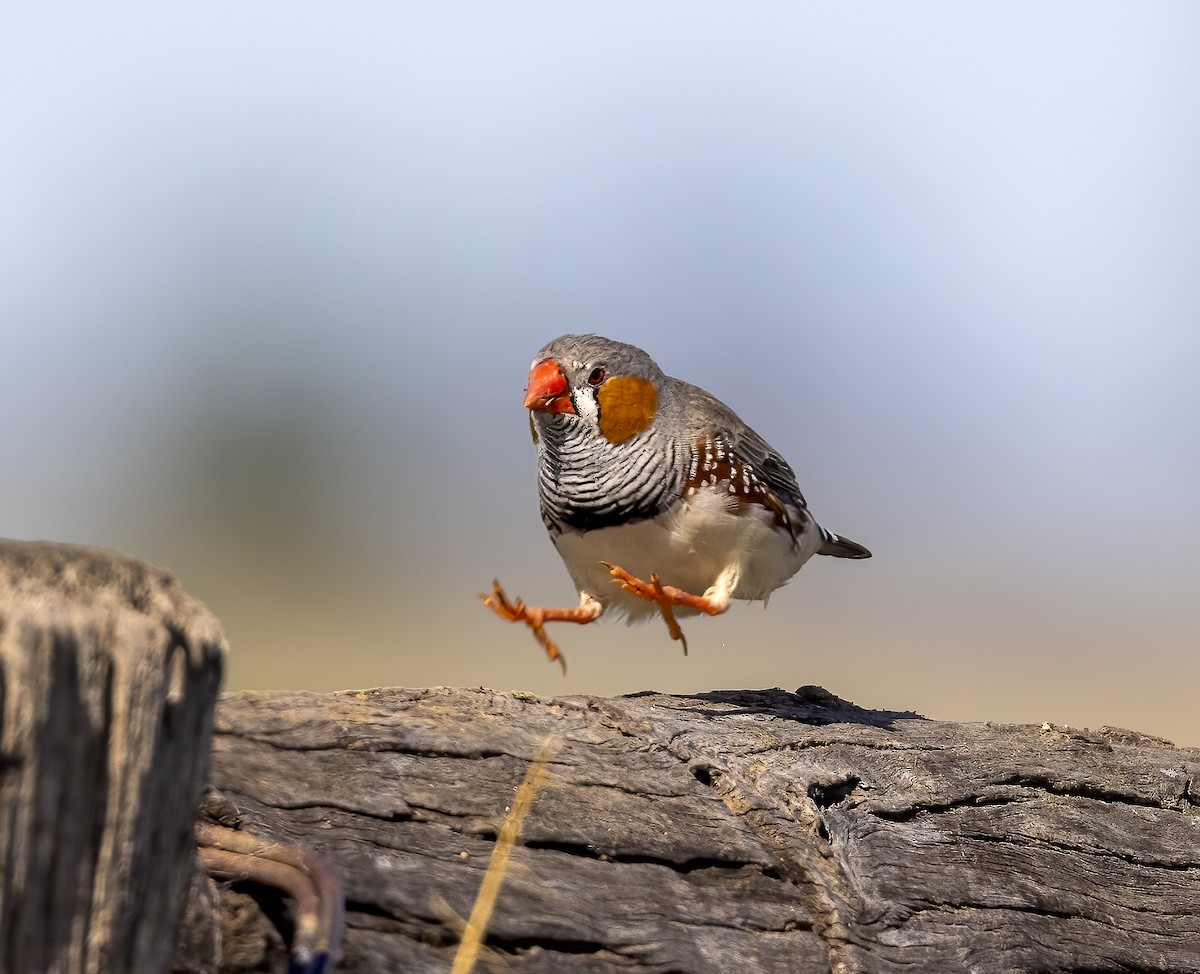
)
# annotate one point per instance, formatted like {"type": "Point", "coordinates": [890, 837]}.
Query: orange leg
{"type": "Point", "coordinates": [667, 596]}
{"type": "Point", "coordinates": [536, 618]}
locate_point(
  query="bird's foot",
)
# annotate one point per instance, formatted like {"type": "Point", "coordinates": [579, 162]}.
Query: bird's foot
{"type": "Point", "coordinates": [665, 596]}
{"type": "Point", "coordinates": [518, 611]}
{"type": "Point", "coordinates": [536, 618]}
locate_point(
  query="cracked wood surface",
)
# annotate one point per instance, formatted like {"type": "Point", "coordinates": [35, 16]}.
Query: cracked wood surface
{"type": "Point", "coordinates": [730, 831]}
{"type": "Point", "coordinates": [108, 677]}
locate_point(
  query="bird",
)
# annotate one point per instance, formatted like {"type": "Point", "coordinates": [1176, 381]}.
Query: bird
{"type": "Point", "coordinates": [656, 495]}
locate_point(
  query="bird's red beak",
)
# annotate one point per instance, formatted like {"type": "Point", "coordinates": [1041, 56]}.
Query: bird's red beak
{"type": "Point", "coordinates": [548, 389]}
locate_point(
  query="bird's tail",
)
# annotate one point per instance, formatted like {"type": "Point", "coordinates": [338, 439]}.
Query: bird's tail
{"type": "Point", "coordinates": [839, 547]}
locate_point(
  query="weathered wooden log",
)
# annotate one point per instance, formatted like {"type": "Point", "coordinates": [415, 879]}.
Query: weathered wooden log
{"type": "Point", "coordinates": [108, 677]}
{"type": "Point", "coordinates": [737, 831]}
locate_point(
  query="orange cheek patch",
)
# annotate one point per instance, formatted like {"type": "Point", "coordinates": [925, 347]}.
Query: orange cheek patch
{"type": "Point", "coordinates": [627, 406]}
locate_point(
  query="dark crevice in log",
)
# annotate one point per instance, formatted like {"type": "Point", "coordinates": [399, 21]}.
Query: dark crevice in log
{"type": "Point", "coordinates": [831, 744]}
{"type": "Point", "coordinates": [828, 794]}
{"type": "Point", "coordinates": [1119, 969]}
{"type": "Point", "coordinates": [274, 906]}
{"type": "Point", "coordinates": [368, 746]}
{"type": "Point", "coordinates": [679, 866]}
{"type": "Point", "coordinates": [324, 807]}
{"type": "Point", "coordinates": [1079, 789]}
{"type": "Point", "coordinates": [1036, 910]}
{"type": "Point", "coordinates": [910, 813]}
{"type": "Point", "coordinates": [1070, 848]}
{"type": "Point", "coordinates": [518, 945]}
{"type": "Point", "coordinates": [447, 817]}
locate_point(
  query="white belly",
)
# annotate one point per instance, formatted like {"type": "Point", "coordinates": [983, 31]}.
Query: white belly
{"type": "Point", "coordinates": [699, 547]}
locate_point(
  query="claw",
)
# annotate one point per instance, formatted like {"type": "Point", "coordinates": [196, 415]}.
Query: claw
{"type": "Point", "coordinates": [652, 591]}
{"type": "Point", "coordinates": [498, 602]}
{"type": "Point", "coordinates": [668, 614]}
{"type": "Point", "coordinates": [518, 611]}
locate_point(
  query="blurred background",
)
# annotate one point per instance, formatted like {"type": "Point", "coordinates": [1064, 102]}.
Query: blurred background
{"type": "Point", "coordinates": [272, 277]}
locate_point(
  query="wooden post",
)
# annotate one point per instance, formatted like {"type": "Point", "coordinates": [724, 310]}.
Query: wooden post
{"type": "Point", "coordinates": [746, 831]}
{"type": "Point", "coordinates": [108, 676]}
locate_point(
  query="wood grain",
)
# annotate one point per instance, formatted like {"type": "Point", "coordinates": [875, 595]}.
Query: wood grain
{"type": "Point", "coordinates": [746, 831]}
{"type": "Point", "coordinates": [108, 677]}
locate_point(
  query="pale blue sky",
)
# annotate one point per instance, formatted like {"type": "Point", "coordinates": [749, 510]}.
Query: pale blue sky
{"type": "Point", "coordinates": [271, 276]}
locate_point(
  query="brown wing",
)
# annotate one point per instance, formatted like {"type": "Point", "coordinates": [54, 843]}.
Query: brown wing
{"type": "Point", "coordinates": [716, 465]}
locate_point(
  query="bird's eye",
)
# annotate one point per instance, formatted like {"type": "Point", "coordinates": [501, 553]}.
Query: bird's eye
{"type": "Point", "coordinates": [597, 376]}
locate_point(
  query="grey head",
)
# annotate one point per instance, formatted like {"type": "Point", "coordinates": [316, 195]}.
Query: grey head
{"type": "Point", "coordinates": [602, 414]}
